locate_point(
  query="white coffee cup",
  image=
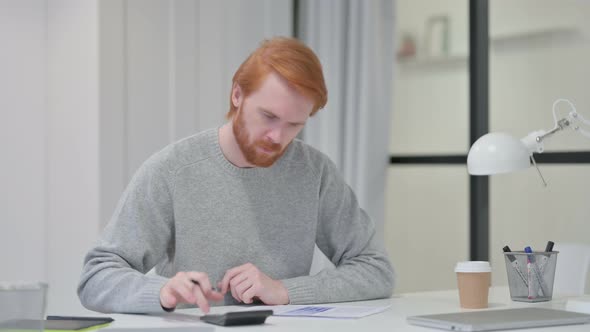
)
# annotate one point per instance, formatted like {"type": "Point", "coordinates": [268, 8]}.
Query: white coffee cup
{"type": "Point", "coordinates": [473, 281]}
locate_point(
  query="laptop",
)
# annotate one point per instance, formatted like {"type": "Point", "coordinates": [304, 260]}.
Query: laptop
{"type": "Point", "coordinates": [505, 319]}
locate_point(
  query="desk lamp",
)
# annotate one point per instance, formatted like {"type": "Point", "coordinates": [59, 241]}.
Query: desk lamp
{"type": "Point", "coordinates": [496, 153]}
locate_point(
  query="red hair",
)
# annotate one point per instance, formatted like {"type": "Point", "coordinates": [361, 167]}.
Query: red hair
{"type": "Point", "coordinates": [292, 60]}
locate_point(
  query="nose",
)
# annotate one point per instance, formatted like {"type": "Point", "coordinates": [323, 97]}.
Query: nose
{"type": "Point", "coordinates": [275, 134]}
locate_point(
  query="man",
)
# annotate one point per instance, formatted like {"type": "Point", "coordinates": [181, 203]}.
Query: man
{"type": "Point", "coordinates": [240, 208]}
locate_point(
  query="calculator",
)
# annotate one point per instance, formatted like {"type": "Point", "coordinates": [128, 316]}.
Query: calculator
{"type": "Point", "coordinates": [235, 318]}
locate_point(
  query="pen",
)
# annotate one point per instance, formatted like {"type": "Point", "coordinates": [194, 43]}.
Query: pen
{"type": "Point", "coordinates": [531, 288]}
{"type": "Point", "coordinates": [515, 265]}
{"type": "Point", "coordinates": [532, 266]}
{"type": "Point", "coordinates": [213, 288]}
{"type": "Point", "coordinates": [549, 247]}
{"type": "Point", "coordinates": [545, 258]}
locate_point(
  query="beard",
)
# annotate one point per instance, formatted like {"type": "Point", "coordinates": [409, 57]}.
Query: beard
{"type": "Point", "coordinates": [250, 149]}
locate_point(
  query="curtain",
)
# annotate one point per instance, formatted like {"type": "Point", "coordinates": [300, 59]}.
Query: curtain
{"type": "Point", "coordinates": [354, 40]}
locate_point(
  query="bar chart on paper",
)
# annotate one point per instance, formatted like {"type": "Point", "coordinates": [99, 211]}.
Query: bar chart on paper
{"type": "Point", "coordinates": [342, 312]}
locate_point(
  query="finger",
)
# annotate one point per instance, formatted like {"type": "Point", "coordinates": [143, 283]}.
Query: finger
{"type": "Point", "coordinates": [224, 283]}
{"type": "Point", "coordinates": [182, 280]}
{"type": "Point", "coordinates": [229, 274]}
{"type": "Point", "coordinates": [188, 283]}
{"type": "Point", "coordinates": [249, 294]}
{"type": "Point", "coordinates": [234, 294]}
{"type": "Point", "coordinates": [236, 281]}
{"type": "Point", "coordinates": [177, 298]}
{"type": "Point", "coordinates": [200, 300]}
{"type": "Point", "coordinates": [241, 288]}
{"type": "Point", "coordinates": [214, 296]}
{"type": "Point", "coordinates": [183, 291]}
{"type": "Point", "coordinates": [168, 299]}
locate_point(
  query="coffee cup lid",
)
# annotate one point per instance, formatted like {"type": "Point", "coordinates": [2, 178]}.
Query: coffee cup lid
{"type": "Point", "coordinates": [473, 266]}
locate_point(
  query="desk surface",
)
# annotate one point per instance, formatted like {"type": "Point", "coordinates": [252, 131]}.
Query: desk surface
{"type": "Point", "coordinates": [393, 319]}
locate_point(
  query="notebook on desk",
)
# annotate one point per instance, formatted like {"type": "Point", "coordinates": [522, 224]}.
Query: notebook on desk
{"type": "Point", "coordinates": [55, 325]}
{"type": "Point", "coordinates": [506, 319]}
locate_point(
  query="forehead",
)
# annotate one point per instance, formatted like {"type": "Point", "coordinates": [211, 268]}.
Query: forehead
{"type": "Point", "coordinates": [279, 97]}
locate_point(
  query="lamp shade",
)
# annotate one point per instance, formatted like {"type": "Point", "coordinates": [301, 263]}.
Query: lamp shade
{"type": "Point", "coordinates": [496, 153]}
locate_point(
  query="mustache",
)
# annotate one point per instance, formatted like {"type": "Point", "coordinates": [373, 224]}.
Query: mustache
{"type": "Point", "coordinates": [275, 147]}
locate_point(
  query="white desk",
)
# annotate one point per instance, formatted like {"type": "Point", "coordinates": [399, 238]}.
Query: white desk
{"type": "Point", "coordinates": [393, 319]}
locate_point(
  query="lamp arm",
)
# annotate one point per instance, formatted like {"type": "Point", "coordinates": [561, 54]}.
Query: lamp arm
{"type": "Point", "coordinates": [559, 125]}
{"type": "Point", "coordinates": [573, 118]}
{"type": "Point", "coordinates": [578, 118]}
{"type": "Point", "coordinates": [534, 140]}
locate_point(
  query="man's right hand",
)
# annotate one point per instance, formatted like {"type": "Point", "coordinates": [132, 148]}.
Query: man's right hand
{"type": "Point", "coordinates": [189, 287]}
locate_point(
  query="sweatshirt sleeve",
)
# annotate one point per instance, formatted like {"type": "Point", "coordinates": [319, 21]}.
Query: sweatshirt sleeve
{"type": "Point", "coordinates": [346, 235]}
{"type": "Point", "coordinates": [138, 236]}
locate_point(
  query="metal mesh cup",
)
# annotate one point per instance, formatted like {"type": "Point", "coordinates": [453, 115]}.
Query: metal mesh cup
{"type": "Point", "coordinates": [530, 275]}
{"type": "Point", "coordinates": [22, 306]}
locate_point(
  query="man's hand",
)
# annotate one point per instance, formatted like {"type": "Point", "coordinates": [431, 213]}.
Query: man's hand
{"type": "Point", "coordinates": [189, 287]}
{"type": "Point", "coordinates": [248, 283]}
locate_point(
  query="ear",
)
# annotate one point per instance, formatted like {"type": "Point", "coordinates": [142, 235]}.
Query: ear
{"type": "Point", "coordinates": [236, 95]}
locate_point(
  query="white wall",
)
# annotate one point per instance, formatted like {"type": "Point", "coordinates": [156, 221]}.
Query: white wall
{"type": "Point", "coordinates": [89, 90]}
{"type": "Point", "coordinates": [50, 139]}
{"type": "Point", "coordinates": [72, 144]}
{"type": "Point", "coordinates": [23, 140]}
{"type": "Point", "coordinates": [431, 94]}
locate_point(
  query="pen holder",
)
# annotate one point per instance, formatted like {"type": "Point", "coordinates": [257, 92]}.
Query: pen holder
{"type": "Point", "coordinates": [22, 306]}
{"type": "Point", "coordinates": [531, 275]}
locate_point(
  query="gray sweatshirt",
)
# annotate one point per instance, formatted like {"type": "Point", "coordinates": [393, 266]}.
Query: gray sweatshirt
{"type": "Point", "coordinates": [189, 209]}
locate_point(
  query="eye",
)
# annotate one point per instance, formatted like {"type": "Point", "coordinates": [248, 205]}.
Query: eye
{"type": "Point", "coordinates": [268, 115]}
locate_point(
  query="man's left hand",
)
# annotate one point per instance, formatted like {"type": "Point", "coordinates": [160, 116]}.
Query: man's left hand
{"type": "Point", "coordinates": [247, 283]}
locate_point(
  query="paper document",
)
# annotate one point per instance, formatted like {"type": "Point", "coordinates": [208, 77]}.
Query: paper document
{"type": "Point", "coordinates": [325, 311]}
{"type": "Point", "coordinates": [164, 329]}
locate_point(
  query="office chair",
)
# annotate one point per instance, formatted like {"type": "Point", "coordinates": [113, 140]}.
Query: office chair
{"type": "Point", "coordinates": [571, 272]}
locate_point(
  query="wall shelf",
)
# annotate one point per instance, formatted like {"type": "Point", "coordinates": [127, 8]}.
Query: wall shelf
{"type": "Point", "coordinates": [432, 61]}
{"type": "Point", "coordinates": [534, 33]}
{"type": "Point", "coordinates": [506, 37]}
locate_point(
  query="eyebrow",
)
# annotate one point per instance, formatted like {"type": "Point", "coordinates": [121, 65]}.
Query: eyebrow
{"type": "Point", "coordinates": [271, 113]}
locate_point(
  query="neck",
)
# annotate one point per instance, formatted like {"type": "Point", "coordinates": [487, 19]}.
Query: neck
{"type": "Point", "coordinates": [230, 148]}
